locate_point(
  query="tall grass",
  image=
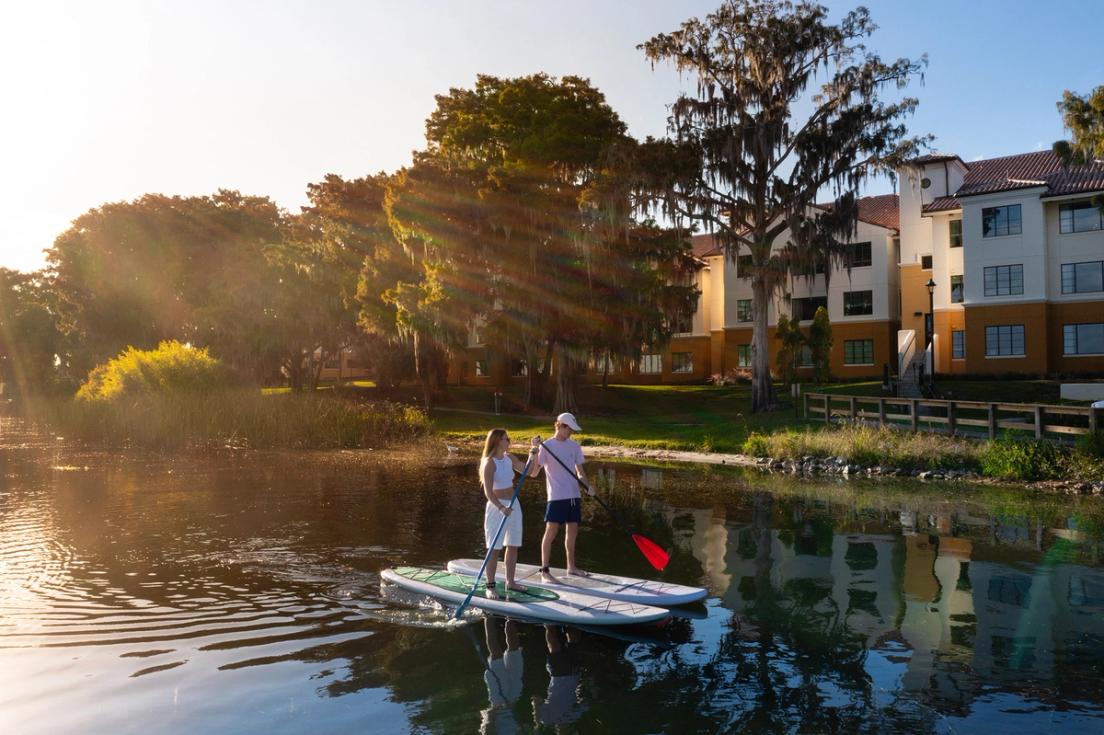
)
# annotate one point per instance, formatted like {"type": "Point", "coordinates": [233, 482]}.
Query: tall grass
{"type": "Point", "coordinates": [868, 446]}
{"type": "Point", "coordinates": [231, 417]}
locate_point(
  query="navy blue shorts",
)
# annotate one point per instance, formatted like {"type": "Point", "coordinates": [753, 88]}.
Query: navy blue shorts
{"type": "Point", "coordinates": [563, 511]}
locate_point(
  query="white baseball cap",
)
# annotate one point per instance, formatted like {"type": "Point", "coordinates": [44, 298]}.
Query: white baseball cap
{"type": "Point", "coordinates": [569, 419]}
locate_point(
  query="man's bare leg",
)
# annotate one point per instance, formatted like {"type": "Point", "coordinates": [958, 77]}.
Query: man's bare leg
{"type": "Point", "coordinates": [571, 532]}
{"type": "Point", "coordinates": [550, 531]}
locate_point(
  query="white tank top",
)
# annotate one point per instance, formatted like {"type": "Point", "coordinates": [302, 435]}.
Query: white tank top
{"type": "Point", "coordinates": [504, 473]}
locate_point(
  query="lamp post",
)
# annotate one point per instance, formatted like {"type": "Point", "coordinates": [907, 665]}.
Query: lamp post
{"type": "Point", "coordinates": [929, 323]}
{"type": "Point", "coordinates": [929, 329]}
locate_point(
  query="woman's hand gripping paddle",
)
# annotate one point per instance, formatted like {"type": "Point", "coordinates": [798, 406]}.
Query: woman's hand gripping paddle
{"type": "Point", "coordinates": [652, 551]}
{"type": "Point", "coordinates": [498, 534]}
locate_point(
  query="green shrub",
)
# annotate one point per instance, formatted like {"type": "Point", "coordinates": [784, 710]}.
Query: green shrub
{"type": "Point", "coordinates": [172, 367]}
{"type": "Point", "coordinates": [757, 445]}
{"type": "Point", "coordinates": [1091, 445]}
{"type": "Point", "coordinates": [1010, 459]}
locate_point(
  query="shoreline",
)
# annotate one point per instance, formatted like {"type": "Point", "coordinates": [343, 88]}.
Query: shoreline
{"type": "Point", "coordinates": [820, 467]}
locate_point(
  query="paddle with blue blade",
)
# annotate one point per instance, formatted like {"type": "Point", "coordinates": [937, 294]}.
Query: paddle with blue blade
{"type": "Point", "coordinates": [652, 551]}
{"type": "Point", "coordinates": [498, 534]}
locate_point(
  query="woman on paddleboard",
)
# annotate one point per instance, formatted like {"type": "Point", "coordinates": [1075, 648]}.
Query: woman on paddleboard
{"type": "Point", "coordinates": [496, 474]}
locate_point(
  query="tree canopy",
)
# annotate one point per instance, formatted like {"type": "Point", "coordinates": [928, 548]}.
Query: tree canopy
{"type": "Point", "coordinates": [762, 159]}
{"type": "Point", "coordinates": [1083, 116]}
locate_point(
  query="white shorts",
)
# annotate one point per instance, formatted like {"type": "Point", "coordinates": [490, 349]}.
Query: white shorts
{"type": "Point", "coordinates": [511, 534]}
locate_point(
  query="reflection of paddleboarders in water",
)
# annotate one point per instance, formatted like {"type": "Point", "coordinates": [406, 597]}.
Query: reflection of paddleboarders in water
{"type": "Point", "coordinates": [561, 706]}
{"type": "Point", "coordinates": [503, 676]}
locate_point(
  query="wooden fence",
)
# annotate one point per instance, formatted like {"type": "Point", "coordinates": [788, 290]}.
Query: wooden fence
{"type": "Point", "coordinates": [953, 417]}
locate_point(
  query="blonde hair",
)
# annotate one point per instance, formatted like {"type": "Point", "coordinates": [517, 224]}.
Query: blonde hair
{"type": "Point", "coordinates": [494, 436]}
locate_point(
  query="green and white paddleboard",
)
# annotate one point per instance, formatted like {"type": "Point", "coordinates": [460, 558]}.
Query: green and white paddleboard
{"type": "Point", "coordinates": [536, 604]}
{"type": "Point", "coordinates": [609, 586]}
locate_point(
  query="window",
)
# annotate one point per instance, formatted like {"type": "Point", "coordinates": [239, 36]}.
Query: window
{"type": "Point", "coordinates": [859, 253]}
{"type": "Point", "coordinates": [743, 266]}
{"type": "Point", "coordinates": [651, 364]}
{"type": "Point", "coordinates": [858, 303]}
{"type": "Point", "coordinates": [743, 310]}
{"type": "Point", "coordinates": [682, 362]}
{"type": "Point", "coordinates": [1000, 221]}
{"type": "Point", "coordinates": [926, 262]}
{"type": "Point", "coordinates": [1079, 217]}
{"type": "Point", "coordinates": [956, 233]}
{"type": "Point", "coordinates": [957, 290]}
{"type": "Point", "coordinates": [958, 345]}
{"type": "Point", "coordinates": [1083, 277]}
{"type": "Point", "coordinates": [518, 368]}
{"type": "Point", "coordinates": [743, 355]}
{"type": "Point", "coordinates": [481, 369]}
{"type": "Point", "coordinates": [1083, 339]}
{"type": "Point", "coordinates": [805, 358]}
{"type": "Point", "coordinates": [804, 309]}
{"type": "Point", "coordinates": [1004, 340]}
{"type": "Point", "coordinates": [858, 352]}
{"type": "Point", "coordinates": [1004, 280]}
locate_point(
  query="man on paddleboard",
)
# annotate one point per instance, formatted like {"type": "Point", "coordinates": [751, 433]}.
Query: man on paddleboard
{"type": "Point", "coordinates": [564, 500]}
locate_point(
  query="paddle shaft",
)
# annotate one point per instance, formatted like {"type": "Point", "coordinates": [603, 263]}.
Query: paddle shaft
{"type": "Point", "coordinates": [498, 533]}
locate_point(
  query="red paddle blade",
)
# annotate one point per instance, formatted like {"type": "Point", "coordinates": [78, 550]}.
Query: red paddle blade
{"type": "Point", "coordinates": [655, 555]}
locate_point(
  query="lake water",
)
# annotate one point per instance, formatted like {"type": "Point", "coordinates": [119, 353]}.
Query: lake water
{"type": "Point", "coordinates": [240, 593]}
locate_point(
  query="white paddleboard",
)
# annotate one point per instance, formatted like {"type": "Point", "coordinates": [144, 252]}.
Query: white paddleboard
{"type": "Point", "coordinates": [536, 604]}
{"type": "Point", "coordinates": [609, 586]}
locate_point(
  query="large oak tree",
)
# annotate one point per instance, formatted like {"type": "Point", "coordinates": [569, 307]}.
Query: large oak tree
{"type": "Point", "coordinates": [786, 106]}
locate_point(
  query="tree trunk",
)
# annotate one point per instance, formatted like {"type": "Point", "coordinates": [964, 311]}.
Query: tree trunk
{"type": "Point", "coordinates": [316, 373]}
{"type": "Point", "coordinates": [763, 397]}
{"type": "Point", "coordinates": [605, 371]}
{"type": "Point", "coordinates": [534, 388]}
{"type": "Point", "coordinates": [566, 378]}
{"type": "Point", "coordinates": [424, 369]}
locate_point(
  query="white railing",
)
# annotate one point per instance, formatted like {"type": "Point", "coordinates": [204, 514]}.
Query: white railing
{"type": "Point", "coordinates": [906, 348]}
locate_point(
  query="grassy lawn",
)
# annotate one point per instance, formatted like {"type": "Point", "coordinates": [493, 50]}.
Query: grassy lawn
{"type": "Point", "coordinates": [691, 417]}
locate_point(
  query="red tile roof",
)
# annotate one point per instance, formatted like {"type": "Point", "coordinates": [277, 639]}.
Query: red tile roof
{"type": "Point", "coordinates": [882, 210]}
{"type": "Point", "coordinates": [705, 245]}
{"type": "Point", "coordinates": [1023, 171]}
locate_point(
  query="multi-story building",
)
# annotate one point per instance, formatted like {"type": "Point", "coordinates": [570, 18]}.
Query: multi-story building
{"type": "Point", "coordinates": [862, 304]}
{"type": "Point", "coordinates": [1015, 246]}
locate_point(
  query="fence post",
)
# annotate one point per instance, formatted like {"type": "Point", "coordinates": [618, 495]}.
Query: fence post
{"type": "Point", "coordinates": [805, 403]}
{"type": "Point", "coordinates": [992, 421]}
{"type": "Point", "coordinates": [827, 409]}
{"type": "Point", "coordinates": [1092, 419]}
{"type": "Point", "coordinates": [851, 405]}
{"type": "Point", "coordinates": [881, 412]}
{"type": "Point", "coordinates": [915, 414]}
{"type": "Point", "coordinates": [951, 418]}
{"type": "Point", "coordinates": [1038, 422]}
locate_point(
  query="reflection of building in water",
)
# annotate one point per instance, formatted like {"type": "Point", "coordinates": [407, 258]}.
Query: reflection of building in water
{"type": "Point", "coordinates": [945, 612]}
{"type": "Point", "coordinates": [651, 479]}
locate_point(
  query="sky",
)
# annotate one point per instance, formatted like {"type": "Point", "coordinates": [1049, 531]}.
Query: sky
{"type": "Point", "coordinates": [110, 100]}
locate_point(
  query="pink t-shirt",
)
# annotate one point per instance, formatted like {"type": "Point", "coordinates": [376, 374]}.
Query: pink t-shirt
{"type": "Point", "coordinates": [561, 483]}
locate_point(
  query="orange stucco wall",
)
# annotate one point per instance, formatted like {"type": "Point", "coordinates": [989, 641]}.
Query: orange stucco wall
{"type": "Point", "coordinates": [1034, 319]}
{"type": "Point", "coordinates": [1060, 314]}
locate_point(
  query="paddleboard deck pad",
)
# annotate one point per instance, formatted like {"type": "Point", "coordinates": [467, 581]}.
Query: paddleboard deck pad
{"type": "Point", "coordinates": [608, 586]}
{"type": "Point", "coordinates": [536, 604]}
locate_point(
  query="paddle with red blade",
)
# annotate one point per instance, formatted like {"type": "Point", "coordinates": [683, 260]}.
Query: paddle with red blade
{"type": "Point", "coordinates": [652, 551]}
